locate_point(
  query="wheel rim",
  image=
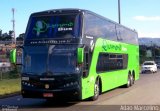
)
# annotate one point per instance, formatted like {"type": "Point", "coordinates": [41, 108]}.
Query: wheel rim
{"type": "Point", "coordinates": [96, 90]}
{"type": "Point", "coordinates": [132, 79]}
{"type": "Point", "coordinates": [129, 81]}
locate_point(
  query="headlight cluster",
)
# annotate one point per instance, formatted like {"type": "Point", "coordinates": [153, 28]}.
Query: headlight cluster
{"type": "Point", "coordinates": [27, 84]}
{"type": "Point", "coordinates": [70, 84]}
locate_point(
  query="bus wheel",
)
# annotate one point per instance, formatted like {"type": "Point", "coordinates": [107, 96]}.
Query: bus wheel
{"type": "Point", "coordinates": [96, 91]}
{"type": "Point", "coordinates": [128, 81]}
{"type": "Point", "coordinates": [132, 79]}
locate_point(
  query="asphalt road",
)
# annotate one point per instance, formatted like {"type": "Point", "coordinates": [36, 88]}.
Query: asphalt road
{"type": "Point", "coordinates": [145, 91]}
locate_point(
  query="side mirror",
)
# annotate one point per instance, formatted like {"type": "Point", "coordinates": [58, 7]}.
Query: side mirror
{"type": "Point", "coordinates": [80, 55]}
{"type": "Point", "coordinates": [13, 56]}
{"type": "Point", "coordinates": [16, 56]}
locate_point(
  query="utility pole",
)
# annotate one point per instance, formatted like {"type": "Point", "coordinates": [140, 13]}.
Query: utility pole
{"type": "Point", "coordinates": [13, 21]}
{"type": "Point", "coordinates": [119, 12]}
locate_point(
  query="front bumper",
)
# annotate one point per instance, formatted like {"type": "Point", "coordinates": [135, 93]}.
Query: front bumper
{"type": "Point", "coordinates": [147, 70]}
{"type": "Point", "coordinates": [71, 94]}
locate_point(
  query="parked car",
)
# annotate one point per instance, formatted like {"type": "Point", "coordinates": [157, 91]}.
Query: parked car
{"type": "Point", "coordinates": [157, 60]}
{"type": "Point", "coordinates": [149, 66]}
{"type": "Point", "coordinates": [158, 64]}
{"type": "Point", "coordinates": [5, 64]}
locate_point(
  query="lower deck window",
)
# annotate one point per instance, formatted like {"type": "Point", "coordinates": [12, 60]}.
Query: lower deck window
{"type": "Point", "coordinates": [111, 62]}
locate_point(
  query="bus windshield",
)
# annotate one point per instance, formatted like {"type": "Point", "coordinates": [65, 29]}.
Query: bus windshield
{"type": "Point", "coordinates": [54, 26]}
{"type": "Point", "coordinates": [56, 59]}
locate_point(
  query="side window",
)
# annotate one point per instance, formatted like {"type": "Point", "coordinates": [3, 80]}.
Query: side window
{"type": "Point", "coordinates": [111, 62]}
{"type": "Point", "coordinates": [102, 63]}
{"type": "Point", "coordinates": [126, 35]}
{"type": "Point", "coordinates": [99, 27]}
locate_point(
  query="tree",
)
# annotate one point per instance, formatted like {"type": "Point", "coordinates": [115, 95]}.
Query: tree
{"type": "Point", "coordinates": [157, 51]}
{"type": "Point", "coordinates": [142, 50]}
{"type": "Point", "coordinates": [6, 36]}
{"type": "Point", "coordinates": [0, 33]}
{"type": "Point", "coordinates": [142, 53]}
{"type": "Point", "coordinates": [11, 32]}
{"type": "Point", "coordinates": [20, 37]}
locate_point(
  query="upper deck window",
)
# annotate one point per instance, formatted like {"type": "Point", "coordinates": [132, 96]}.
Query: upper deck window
{"type": "Point", "coordinates": [54, 26]}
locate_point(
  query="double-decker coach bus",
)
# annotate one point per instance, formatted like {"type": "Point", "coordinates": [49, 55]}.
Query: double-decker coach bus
{"type": "Point", "coordinates": [77, 54]}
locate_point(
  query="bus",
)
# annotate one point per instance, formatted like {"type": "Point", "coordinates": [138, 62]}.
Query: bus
{"type": "Point", "coordinates": [76, 54]}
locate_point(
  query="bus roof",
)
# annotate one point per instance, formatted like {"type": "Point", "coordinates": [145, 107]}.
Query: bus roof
{"type": "Point", "coordinates": [76, 10]}
{"type": "Point", "coordinates": [58, 11]}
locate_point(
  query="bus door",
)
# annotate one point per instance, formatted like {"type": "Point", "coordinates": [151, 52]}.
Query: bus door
{"type": "Point", "coordinates": [86, 82]}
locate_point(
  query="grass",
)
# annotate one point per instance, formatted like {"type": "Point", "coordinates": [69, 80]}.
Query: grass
{"type": "Point", "coordinates": [8, 86]}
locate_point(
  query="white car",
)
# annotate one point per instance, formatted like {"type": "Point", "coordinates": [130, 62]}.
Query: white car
{"type": "Point", "coordinates": [149, 66]}
{"type": "Point", "coordinates": [5, 64]}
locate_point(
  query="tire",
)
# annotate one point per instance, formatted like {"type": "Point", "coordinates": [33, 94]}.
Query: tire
{"type": "Point", "coordinates": [128, 81]}
{"type": "Point", "coordinates": [96, 91]}
{"type": "Point", "coordinates": [131, 80]}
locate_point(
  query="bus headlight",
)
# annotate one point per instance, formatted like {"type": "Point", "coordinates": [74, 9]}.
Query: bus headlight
{"type": "Point", "coordinates": [71, 84]}
{"type": "Point", "coordinates": [27, 84]}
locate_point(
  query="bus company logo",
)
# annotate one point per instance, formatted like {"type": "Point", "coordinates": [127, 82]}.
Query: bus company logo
{"type": "Point", "coordinates": [116, 47]}
{"type": "Point", "coordinates": [106, 46]}
{"type": "Point", "coordinates": [46, 86]}
{"type": "Point", "coordinates": [40, 27]}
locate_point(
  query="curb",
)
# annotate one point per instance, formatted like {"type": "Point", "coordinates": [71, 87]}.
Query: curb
{"type": "Point", "coordinates": [9, 95]}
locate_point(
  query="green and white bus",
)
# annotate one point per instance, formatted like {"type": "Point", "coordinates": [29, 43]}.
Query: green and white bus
{"type": "Point", "coordinates": [77, 54]}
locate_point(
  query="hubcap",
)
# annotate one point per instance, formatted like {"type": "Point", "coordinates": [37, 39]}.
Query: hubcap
{"type": "Point", "coordinates": [129, 81]}
{"type": "Point", "coordinates": [96, 90]}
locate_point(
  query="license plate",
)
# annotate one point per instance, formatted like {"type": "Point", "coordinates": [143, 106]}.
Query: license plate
{"type": "Point", "coordinates": [47, 95]}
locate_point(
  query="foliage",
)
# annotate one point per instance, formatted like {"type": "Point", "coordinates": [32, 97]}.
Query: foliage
{"type": "Point", "coordinates": [155, 50]}
{"type": "Point", "coordinates": [6, 36]}
{"type": "Point", "coordinates": [9, 36]}
{"type": "Point", "coordinates": [10, 81]}
{"type": "Point", "coordinates": [8, 86]}
{"type": "Point", "coordinates": [21, 37]}
{"type": "Point", "coordinates": [13, 74]}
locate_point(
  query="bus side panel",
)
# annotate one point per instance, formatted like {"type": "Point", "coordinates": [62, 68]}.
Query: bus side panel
{"type": "Point", "coordinates": [89, 81]}
{"type": "Point", "coordinates": [137, 72]}
{"type": "Point", "coordinates": [110, 79]}
{"type": "Point", "coordinates": [133, 60]}
{"type": "Point", "coordinates": [87, 87]}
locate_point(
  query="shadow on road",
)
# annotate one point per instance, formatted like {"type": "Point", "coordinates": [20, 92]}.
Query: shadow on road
{"type": "Point", "coordinates": [25, 103]}
{"type": "Point", "coordinates": [50, 104]}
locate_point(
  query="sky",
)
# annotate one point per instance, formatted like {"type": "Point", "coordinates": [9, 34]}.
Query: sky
{"type": "Point", "coordinates": [141, 15]}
